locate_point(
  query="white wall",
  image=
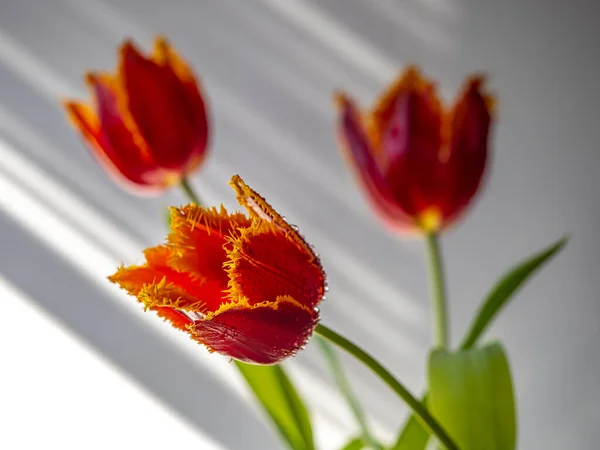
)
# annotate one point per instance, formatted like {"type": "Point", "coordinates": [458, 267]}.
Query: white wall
{"type": "Point", "coordinates": [269, 68]}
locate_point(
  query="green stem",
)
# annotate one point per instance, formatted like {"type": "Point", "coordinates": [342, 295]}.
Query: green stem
{"type": "Point", "coordinates": [342, 382]}
{"type": "Point", "coordinates": [438, 290]}
{"type": "Point", "coordinates": [417, 408]}
{"type": "Point", "coordinates": [185, 185]}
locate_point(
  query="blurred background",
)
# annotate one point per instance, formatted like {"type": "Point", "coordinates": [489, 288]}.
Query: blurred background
{"type": "Point", "coordinates": [84, 367]}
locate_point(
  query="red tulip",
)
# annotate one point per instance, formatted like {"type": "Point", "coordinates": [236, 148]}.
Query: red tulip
{"type": "Point", "coordinates": [247, 288]}
{"type": "Point", "coordinates": [147, 125]}
{"type": "Point", "coordinates": [421, 164]}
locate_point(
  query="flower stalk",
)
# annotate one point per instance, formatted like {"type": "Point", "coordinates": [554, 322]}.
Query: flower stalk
{"type": "Point", "coordinates": [418, 409]}
{"type": "Point", "coordinates": [437, 286]}
{"type": "Point", "coordinates": [189, 191]}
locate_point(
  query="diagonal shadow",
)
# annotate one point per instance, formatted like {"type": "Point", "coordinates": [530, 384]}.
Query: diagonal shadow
{"type": "Point", "coordinates": [160, 368]}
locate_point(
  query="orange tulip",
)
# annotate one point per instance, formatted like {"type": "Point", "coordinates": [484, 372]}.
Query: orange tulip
{"type": "Point", "coordinates": [247, 288]}
{"type": "Point", "coordinates": [147, 125]}
{"type": "Point", "coordinates": [420, 163]}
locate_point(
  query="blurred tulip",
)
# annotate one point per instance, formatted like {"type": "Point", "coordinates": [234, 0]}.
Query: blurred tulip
{"type": "Point", "coordinates": [421, 164]}
{"type": "Point", "coordinates": [147, 125]}
{"type": "Point", "coordinates": [247, 288]}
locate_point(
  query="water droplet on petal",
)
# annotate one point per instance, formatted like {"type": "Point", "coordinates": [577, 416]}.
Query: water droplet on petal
{"type": "Point", "coordinates": [326, 288]}
{"type": "Point", "coordinates": [294, 227]}
{"type": "Point", "coordinates": [317, 310]}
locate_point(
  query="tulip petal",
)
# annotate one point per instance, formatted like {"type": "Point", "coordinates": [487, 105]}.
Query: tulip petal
{"type": "Point", "coordinates": [409, 83]}
{"type": "Point", "coordinates": [406, 130]}
{"type": "Point", "coordinates": [420, 165]}
{"type": "Point", "coordinates": [165, 55]}
{"type": "Point", "coordinates": [470, 123]}
{"type": "Point", "coordinates": [198, 236]}
{"type": "Point", "coordinates": [126, 166]}
{"type": "Point", "coordinates": [356, 146]}
{"type": "Point", "coordinates": [133, 278]}
{"type": "Point", "coordinates": [265, 264]}
{"type": "Point", "coordinates": [176, 318]}
{"type": "Point", "coordinates": [256, 205]}
{"type": "Point", "coordinates": [121, 144]}
{"type": "Point", "coordinates": [83, 118]}
{"type": "Point", "coordinates": [159, 104]}
{"type": "Point", "coordinates": [246, 288]}
{"type": "Point", "coordinates": [156, 284]}
{"type": "Point", "coordinates": [258, 208]}
{"type": "Point", "coordinates": [263, 334]}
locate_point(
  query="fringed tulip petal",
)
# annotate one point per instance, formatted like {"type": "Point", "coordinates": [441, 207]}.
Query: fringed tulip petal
{"type": "Point", "coordinates": [198, 238]}
{"type": "Point", "coordinates": [176, 318]}
{"type": "Point", "coordinates": [262, 334]}
{"type": "Point", "coordinates": [258, 208]}
{"type": "Point", "coordinates": [265, 264]}
{"type": "Point", "coordinates": [157, 284]}
{"type": "Point", "coordinates": [247, 288]}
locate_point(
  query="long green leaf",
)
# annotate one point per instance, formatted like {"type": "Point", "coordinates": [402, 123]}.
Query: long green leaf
{"type": "Point", "coordinates": [354, 444]}
{"type": "Point", "coordinates": [504, 290]}
{"type": "Point", "coordinates": [413, 436]}
{"type": "Point", "coordinates": [278, 397]}
{"type": "Point", "coordinates": [472, 396]}
{"type": "Point", "coordinates": [344, 385]}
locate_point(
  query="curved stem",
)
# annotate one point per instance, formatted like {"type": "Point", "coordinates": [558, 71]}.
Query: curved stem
{"type": "Point", "coordinates": [438, 290]}
{"type": "Point", "coordinates": [189, 191]}
{"type": "Point", "coordinates": [346, 390]}
{"type": "Point", "coordinates": [417, 407]}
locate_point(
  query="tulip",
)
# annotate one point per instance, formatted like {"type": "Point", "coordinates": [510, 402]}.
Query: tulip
{"type": "Point", "coordinates": [147, 123]}
{"type": "Point", "coordinates": [420, 163]}
{"type": "Point", "coordinates": [245, 287]}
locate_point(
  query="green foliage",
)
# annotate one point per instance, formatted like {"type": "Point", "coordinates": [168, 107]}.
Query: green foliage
{"type": "Point", "coordinates": [413, 435]}
{"type": "Point", "coordinates": [280, 400]}
{"type": "Point", "coordinates": [471, 394]}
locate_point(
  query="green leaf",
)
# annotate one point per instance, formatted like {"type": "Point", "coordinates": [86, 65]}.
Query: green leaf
{"type": "Point", "coordinates": [354, 444]}
{"type": "Point", "coordinates": [472, 396]}
{"type": "Point", "coordinates": [278, 397]}
{"type": "Point", "coordinates": [413, 436]}
{"type": "Point", "coordinates": [504, 290]}
{"type": "Point", "coordinates": [346, 390]}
